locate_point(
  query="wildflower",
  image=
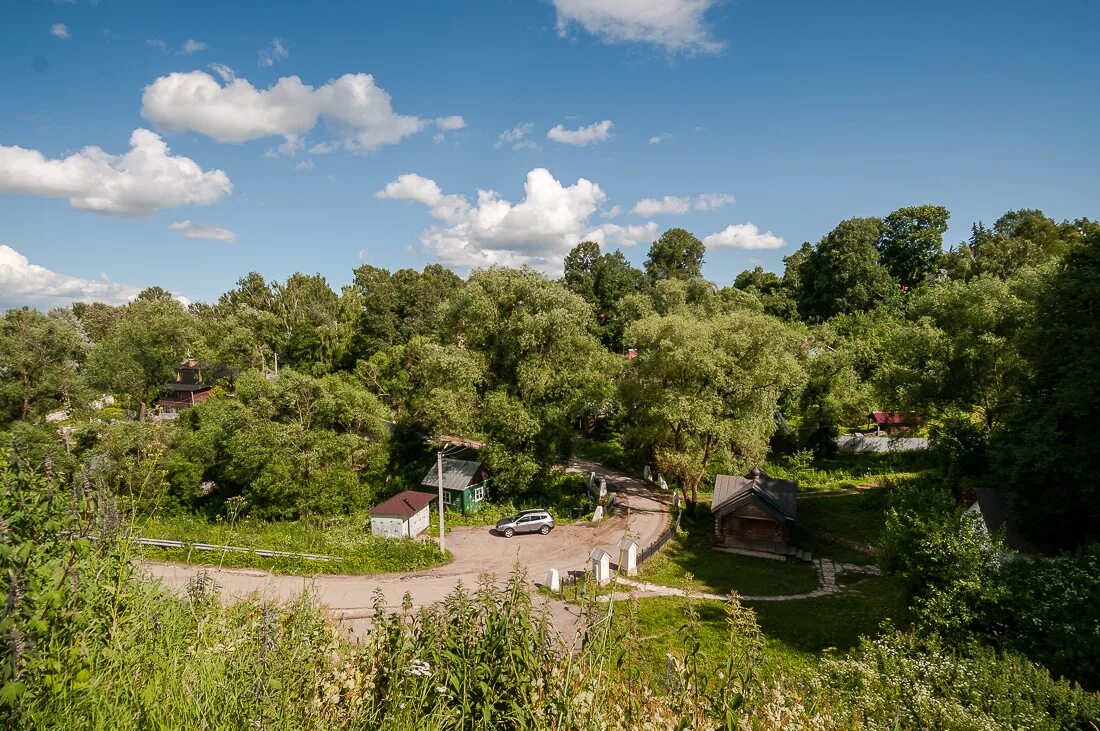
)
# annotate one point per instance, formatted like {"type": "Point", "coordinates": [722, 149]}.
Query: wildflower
{"type": "Point", "coordinates": [419, 668]}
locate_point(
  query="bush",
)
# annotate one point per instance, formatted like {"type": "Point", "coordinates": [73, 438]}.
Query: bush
{"type": "Point", "coordinates": [901, 681]}
{"type": "Point", "coordinates": [959, 443]}
{"type": "Point", "coordinates": [1051, 613]}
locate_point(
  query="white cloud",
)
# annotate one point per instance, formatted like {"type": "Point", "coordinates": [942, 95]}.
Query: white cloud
{"type": "Point", "coordinates": [670, 204]}
{"type": "Point", "coordinates": [517, 135]}
{"type": "Point", "coordinates": [192, 230]}
{"type": "Point", "coordinates": [678, 26]}
{"type": "Point", "coordinates": [743, 236]}
{"type": "Point", "coordinates": [306, 164]}
{"type": "Point", "coordinates": [611, 234]}
{"type": "Point", "coordinates": [447, 124]}
{"type": "Point", "coordinates": [60, 30]}
{"type": "Point", "coordinates": [679, 205]}
{"type": "Point", "coordinates": [272, 52]}
{"type": "Point", "coordinates": [525, 145]}
{"type": "Point", "coordinates": [658, 139]}
{"type": "Point", "coordinates": [223, 71]}
{"type": "Point", "coordinates": [537, 231]}
{"type": "Point", "coordinates": [190, 46]}
{"type": "Point", "coordinates": [710, 201]}
{"type": "Point", "coordinates": [451, 123]}
{"type": "Point", "coordinates": [136, 183]}
{"type": "Point", "coordinates": [23, 283]}
{"type": "Point", "coordinates": [352, 105]}
{"type": "Point", "coordinates": [583, 136]}
{"type": "Point", "coordinates": [612, 212]}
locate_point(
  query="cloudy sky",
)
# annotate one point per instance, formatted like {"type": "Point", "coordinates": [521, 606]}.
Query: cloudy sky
{"type": "Point", "coordinates": [156, 145]}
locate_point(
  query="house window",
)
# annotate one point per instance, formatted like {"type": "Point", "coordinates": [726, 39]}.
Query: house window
{"type": "Point", "coordinates": [479, 494]}
{"type": "Point", "coordinates": [446, 497]}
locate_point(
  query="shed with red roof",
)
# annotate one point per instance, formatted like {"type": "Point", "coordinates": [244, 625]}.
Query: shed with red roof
{"type": "Point", "coordinates": [892, 421]}
{"type": "Point", "coordinates": [405, 515]}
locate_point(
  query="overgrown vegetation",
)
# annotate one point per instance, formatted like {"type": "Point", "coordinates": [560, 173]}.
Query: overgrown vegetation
{"type": "Point", "coordinates": [87, 643]}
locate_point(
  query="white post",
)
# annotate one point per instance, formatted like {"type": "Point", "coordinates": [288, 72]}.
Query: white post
{"type": "Point", "coordinates": [553, 581]}
{"type": "Point", "coordinates": [276, 364]}
{"type": "Point", "coordinates": [439, 472]}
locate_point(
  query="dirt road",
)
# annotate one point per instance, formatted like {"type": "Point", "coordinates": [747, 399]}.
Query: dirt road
{"type": "Point", "coordinates": [642, 517]}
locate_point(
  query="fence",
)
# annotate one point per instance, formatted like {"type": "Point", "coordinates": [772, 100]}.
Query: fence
{"type": "Point", "coordinates": [659, 542]}
{"type": "Point", "coordinates": [160, 543]}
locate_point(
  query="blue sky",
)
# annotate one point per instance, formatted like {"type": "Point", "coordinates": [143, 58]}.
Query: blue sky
{"type": "Point", "coordinates": [804, 112]}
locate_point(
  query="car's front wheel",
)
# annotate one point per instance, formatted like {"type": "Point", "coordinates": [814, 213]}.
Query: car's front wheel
{"type": "Point", "coordinates": [508, 532]}
{"type": "Point", "coordinates": [544, 530]}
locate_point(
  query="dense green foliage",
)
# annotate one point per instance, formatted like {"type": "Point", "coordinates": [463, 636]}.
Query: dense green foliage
{"type": "Point", "coordinates": [326, 402]}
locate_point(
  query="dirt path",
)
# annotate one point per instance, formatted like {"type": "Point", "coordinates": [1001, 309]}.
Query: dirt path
{"type": "Point", "coordinates": [642, 516]}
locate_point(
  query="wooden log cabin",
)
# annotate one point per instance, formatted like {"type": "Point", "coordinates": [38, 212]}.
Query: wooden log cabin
{"type": "Point", "coordinates": [755, 512]}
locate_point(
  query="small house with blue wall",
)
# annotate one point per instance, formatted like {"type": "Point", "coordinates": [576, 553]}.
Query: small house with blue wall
{"type": "Point", "coordinates": [464, 484]}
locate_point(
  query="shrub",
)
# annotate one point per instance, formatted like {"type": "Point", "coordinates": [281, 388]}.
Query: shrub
{"type": "Point", "coordinates": [901, 681]}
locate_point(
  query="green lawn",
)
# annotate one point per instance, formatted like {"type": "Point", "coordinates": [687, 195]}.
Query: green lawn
{"type": "Point", "coordinates": [346, 536]}
{"type": "Point", "coordinates": [836, 621]}
{"type": "Point", "coordinates": [796, 631]}
{"type": "Point", "coordinates": [719, 572]}
{"type": "Point", "coordinates": [843, 471]}
{"type": "Point", "coordinates": [858, 516]}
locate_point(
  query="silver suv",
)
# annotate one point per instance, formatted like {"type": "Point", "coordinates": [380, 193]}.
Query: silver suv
{"type": "Point", "coordinates": [526, 521]}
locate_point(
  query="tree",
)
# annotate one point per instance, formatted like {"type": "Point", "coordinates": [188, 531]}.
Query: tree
{"type": "Point", "coordinates": [142, 352]}
{"type": "Point", "coordinates": [539, 347]}
{"type": "Point", "coordinates": [97, 319]}
{"type": "Point", "coordinates": [1047, 451]}
{"type": "Point", "coordinates": [39, 358]}
{"type": "Point", "coordinates": [676, 255]}
{"type": "Point", "coordinates": [382, 310]}
{"type": "Point", "coordinates": [579, 273]}
{"type": "Point", "coordinates": [911, 242]}
{"type": "Point", "coordinates": [843, 273]}
{"type": "Point", "coordinates": [834, 396]}
{"type": "Point", "coordinates": [308, 313]}
{"type": "Point", "coordinates": [705, 390]}
{"type": "Point", "coordinates": [982, 321]}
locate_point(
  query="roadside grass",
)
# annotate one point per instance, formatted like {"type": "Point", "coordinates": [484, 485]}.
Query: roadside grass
{"type": "Point", "coordinates": [347, 537]}
{"type": "Point", "coordinates": [689, 561]}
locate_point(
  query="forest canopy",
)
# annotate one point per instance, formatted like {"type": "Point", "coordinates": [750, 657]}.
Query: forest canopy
{"type": "Point", "coordinates": [324, 399]}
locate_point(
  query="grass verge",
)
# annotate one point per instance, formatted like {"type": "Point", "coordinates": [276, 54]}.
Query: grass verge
{"type": "Point", "coordinates": [346, 536]}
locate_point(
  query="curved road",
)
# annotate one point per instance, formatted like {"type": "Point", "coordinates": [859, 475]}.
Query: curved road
{"type": "Point", "coordinates": [476, 552]}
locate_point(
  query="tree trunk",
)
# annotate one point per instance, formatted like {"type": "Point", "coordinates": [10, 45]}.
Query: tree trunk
{"type": "Point", "coordinates": [141, 411]}
{"type": "Point", "coordinates": [26, 409]}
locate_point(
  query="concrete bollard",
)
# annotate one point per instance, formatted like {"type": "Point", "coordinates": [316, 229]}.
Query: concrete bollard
{"type": "Point", "coordinates": [553, 581]}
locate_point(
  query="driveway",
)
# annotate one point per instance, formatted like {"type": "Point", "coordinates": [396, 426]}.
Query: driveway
{"type": "Point", "coordinates": [641, 515]}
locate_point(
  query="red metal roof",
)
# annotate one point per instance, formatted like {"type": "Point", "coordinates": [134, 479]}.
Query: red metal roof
{"type": "Point", "coordinates": [895, 418]}
{"type": "Point", "coordinates": [404, 504]}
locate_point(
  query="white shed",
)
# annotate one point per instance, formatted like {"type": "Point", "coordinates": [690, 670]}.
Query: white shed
{"type": "Point", "coordinates": [404, 515]}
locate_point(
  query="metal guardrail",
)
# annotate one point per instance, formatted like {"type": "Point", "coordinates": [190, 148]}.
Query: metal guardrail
{"type": "Point", "coordinates": [660, 541]}
{"type": "Point", "coordinates": [161, 543]}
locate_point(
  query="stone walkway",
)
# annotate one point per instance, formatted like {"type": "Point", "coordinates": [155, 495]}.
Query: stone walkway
{"type": "Point", "coordinates": [827, 572]}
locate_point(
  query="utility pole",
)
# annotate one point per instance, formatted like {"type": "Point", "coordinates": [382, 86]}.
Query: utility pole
{"type": "Point", "coordinates": [439, 472]}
